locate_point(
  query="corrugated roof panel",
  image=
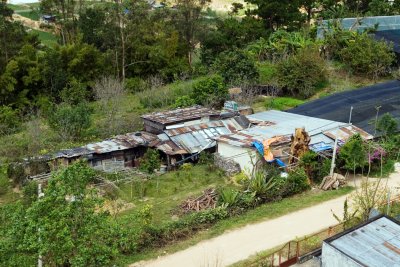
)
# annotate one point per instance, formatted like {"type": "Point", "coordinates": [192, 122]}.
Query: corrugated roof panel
{"type": "Point", "coordinates": [375, 244]}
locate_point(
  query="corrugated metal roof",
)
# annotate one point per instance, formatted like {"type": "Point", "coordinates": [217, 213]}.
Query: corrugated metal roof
{"type": "Point", "coordinates": [346, 132]}
{"type": "Point", "coordinates": [180, 115]}
{"type": "Point", "coordinates": [277, 123]}
{"type": "Point", "coordinates": [119, 142]}
{"type": "Point", "coordinates": [376, 243]}
{"type": "Point", "coordinates": [194, 138]}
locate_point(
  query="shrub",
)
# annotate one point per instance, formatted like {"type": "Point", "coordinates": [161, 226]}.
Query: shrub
{"type": "Point", "coordinates": [184, 101]}
{"type": "Point", "coordinates": [16, 172]}
{"type": "Point", "coordinates": [387, 125]}
{"type": "Point", "coordinates": [309, 161]}
{"type": "Point", "coordinates": [353, 153]}
{"type": "Point", "coordinates": [30, 193]}
{"type": "Point", "coordinates": [136, 84]}
{"type": "Point", "coordinates": [150, 161]}
{"type": "Point", "coordinates": [228, 197]}
{"type": "Point", "coordinates": [368, 56]}
{"type": "Point", "coordinates": [70, 122]}
{"type": "Point", "coordinates": [209, 90]}
{"type": "Point", "coordinates": [9, 120]}
{"type": "Point", "coordinates": [302, 74]}
{"type": "Point", "coordinates": [297, 182]}
{"type": "Point", "coordinates": [236, 68]}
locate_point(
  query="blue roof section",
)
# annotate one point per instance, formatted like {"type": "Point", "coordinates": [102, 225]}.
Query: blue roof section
{"type": "Point", "coordinates": [375, 244]}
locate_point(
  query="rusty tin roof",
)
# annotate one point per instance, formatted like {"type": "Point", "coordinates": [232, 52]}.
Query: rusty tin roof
{"type": "Point", "coordinates": [180, 115]}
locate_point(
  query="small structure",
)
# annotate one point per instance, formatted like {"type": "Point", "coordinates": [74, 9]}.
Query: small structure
{"type": "Point", "coordinates": [48, 19]}
{"type": "Point", "coordinates": [119, 152]}
{"type": "Point", "coordinates": [375, 243]}
{"type": "Point", "coordinates": [157, 122]}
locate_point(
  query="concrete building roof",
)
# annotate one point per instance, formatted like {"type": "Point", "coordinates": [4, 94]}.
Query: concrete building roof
{"type": "Point", "coordinates": [375, 243]}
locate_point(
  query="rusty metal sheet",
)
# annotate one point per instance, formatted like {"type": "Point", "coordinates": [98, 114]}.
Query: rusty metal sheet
{"type": "Point", "coordinates": [344, 133]}
{"type": "Point", "coordinates": [180, 115]}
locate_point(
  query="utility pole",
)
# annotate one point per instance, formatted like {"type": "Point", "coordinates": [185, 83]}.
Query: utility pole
{"type": "Point", "coordinates": [334, 155]}
{"type": "Point", "coordinates": [376, 118]}
{"type": "Point", "coordinates": [351, 111]}
{"type": "Point", "coordinates": [40, 194]}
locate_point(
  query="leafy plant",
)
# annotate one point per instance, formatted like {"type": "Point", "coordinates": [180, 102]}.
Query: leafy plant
{"type": "Point", "coordinates": [229, 197]}
{"type": "Point", "coordinates": [387, 125]}
{"type": "Point", "coordinates": [353, 153]}
{"type": "Point", "coordinates": [297, 182]}
{"type": "Point", "coordinates": [150, 161]}
{"type": "Point", "coordinates": [210, 90]}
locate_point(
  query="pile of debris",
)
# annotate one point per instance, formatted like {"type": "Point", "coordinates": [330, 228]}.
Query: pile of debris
{"type": "Point", "coordinates": [207, 200]}
{"type": "Point", "coordinates": [332, 182]}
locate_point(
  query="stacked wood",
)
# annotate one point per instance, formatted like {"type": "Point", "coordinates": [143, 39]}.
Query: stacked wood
{"type": "Point", "coordinates": [299, 146]}
{"type": "Point", "coordinates": [207, 200]}
{"type": "Point", "coordinates": [332, 182]}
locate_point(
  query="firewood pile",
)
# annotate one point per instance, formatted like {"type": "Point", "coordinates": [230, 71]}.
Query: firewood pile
{"type": "Point", "coordinates": [332, 182]}
{"type": "Point", "coordinates": [207, 200]}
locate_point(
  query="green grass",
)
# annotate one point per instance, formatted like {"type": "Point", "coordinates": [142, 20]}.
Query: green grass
{"type": "Point", "coordinates": [282, 103]}
{"type": "Point", "coordinates": [30, 14]}
{"type": "Point", "coordinates": [166, 192]}
{"type": "Point", "coordinates": [46, 38]}
{"type": "Point", "coordinates": [261, 213]}
{"type": "Point", "coordinates": [267, 72]}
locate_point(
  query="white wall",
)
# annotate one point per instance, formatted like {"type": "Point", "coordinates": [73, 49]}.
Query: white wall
{"type": "Point", "coordinates": [240, 155]}
{"type": "Point", "coordinates": [331, 257]}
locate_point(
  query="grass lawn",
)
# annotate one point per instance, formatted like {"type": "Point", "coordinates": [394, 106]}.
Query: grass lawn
{"type": "Point", "coordinates": [30, 14]}
{"type": "Point", "coordinates": [261, 213]}
{"type": "Point", "coordinates": [45, 37]}
{"type": "Point", "coordinates": [166, 192]}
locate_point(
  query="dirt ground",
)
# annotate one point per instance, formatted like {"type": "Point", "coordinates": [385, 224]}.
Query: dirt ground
{"type": "Point", "coordinates": [241, 243]}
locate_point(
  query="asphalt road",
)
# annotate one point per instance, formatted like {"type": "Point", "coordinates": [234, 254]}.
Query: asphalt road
{"type": "Point", "coordinates": [364, 102]}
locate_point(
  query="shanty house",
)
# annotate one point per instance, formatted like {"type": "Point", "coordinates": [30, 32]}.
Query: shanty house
{"type": "Point", "coordinates": [376, 243]}
{"type": "Point", "coordinates": [115, 153]}
{"type": "Point", "coordinates": [157, 122]}
{"type": "Point", "coordinates": [179, 143]}
{"type": "Point", "coordinates": [281, 126]}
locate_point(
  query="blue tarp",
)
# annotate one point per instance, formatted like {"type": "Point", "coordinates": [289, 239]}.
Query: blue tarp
{"type": "Point", "coordinates": [260, 148]}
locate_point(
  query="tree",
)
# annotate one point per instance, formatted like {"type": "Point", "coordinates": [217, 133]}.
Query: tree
{"type": "Point", "coordinates": [367, 56]}
{"type": "Point", "coordinates": [387, 125]}
{"type": "Point", "coordinates": [279, 13]}
{"type": "Point", "coordinates": [210, 90]}
{"type": "Point", "coordinates": [236, 68]}
{"type": "Point", "coordinates": [190, 23]}
{"type": "Point", "coordinates": [301, 74]}
{"type": "Point", "coordinates": [66, 226]}
{"type": "Point", "coordinates": [353, 153]}
{"type": "Point", "coordinates": [110, 92]}
{"type": "Point", "coordinates": [70, 122]}
{"type": "Point", "coordinates": [9, 120]}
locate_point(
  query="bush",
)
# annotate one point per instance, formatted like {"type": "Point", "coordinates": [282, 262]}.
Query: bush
{"type": "Point", "coordinates": [150, 161]}
{"type": "Point", "coordinates": [9, 120]}
{"type": "Point", "coordinates": [30, 193]}
{"type": "Point", "coordinates": [70, 122]}
{"type": "Point", "coordinates": [16, 172]}
{"type": "Point", "coordinates": [368, 56]}
{"type": "Point", "coordinates": [236, 68]}
{"type": "Point", "coordinates": [210, 90]}
{"type": "Point", "coordinates": [4, 183]}
{"type": "Point", "coordinates": [302, 74]}
{"type": "Point", "coordinates": [297, 182]}
{"type": "Point", "coordinates": [387, 125]}
{"type": "Point", "coordinates": [134, 85]}
{"type": "Point", "coordinates": [353, 153]}
{"type": "Point", "coordinates": [184, 101]}
{"type": "Point", "coordinates": [228, 197]}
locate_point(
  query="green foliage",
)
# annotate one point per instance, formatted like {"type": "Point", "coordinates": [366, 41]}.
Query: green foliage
{"type": "Point", "coordinates": [301, 74]}
{"type": "Point", "coordinates": [150, 161]}
{"type": "Point", "coordinates": [16, 172]}
{"type": "Point", "coordinates": [69, 211]}
{"type": "Point", "coordinates": [309, 161]}
{"type": "Point", "coordinates": [267, 72]}
{"type": "Point", "coordinates": [353, 153]}
{"type": "Point", "coordinates": [209, 90]}
{"type": "Point", "coordinates": [30, 193]}
{"type": "Point", "coordinates": [228, 197]}
{"type": "Point", "coordinates": [70, 122]}
{"type": "Point", "coordinates": [4, 182]}
{"type": "Point", "coordinates": [75, 93]}
{"type": "Point", "coordinates": [10, 121]}
{"type": "Point", "coordinates": [368, 56]}
{"type": "Point", "coordinates": [260, 184]}
{"type": "Point", "coordinates": [136, 84]}
{"type": "Point", "coordinates": [387, 125]}
{"type": "Point", "coordinates": [236, 68]}
{"type": "Point", "coordinates": [184, 101]}
{"type": "Point", "coordinates": [297, 182]}
{"type": "Point", "coordinates": [282, 103]}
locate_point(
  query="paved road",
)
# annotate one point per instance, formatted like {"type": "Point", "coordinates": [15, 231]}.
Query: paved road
{"type": "Point", "coordinates": [241, 243]}
{"type": "Point", "coordinates": [337, 106]}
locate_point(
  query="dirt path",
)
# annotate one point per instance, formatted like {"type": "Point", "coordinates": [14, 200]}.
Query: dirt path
{"type": "Point", "coordinates": [27, 22]}
{"type": "Point", "coordinates": [241, 243]}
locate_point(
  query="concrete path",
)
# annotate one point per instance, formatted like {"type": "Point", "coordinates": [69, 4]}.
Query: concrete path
{"type": "Point", "coordinates": [241, 243]}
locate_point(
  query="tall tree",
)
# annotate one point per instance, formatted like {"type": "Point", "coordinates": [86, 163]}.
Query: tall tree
{"type": "Point", "coordinates": [278, 13]}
